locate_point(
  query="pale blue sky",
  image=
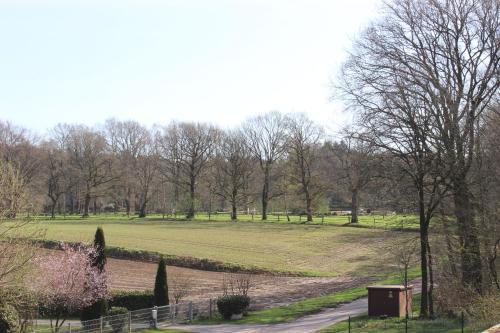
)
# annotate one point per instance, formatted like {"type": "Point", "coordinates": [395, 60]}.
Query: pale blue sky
{"type": "Point", "coordinates": [153, 61]}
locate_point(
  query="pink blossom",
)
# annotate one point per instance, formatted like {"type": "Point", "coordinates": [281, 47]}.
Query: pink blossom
{"type": "Point", "coordinates": [68, 282]}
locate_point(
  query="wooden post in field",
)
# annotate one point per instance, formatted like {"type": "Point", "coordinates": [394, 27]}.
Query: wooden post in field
{"type": "Point", "coordinates": [210, 309]}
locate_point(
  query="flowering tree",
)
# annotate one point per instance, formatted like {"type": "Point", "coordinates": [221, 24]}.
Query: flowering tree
{"type": "Point", "coordinates": [68, 283]}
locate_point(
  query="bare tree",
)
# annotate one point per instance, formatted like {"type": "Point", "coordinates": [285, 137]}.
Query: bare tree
{"type": "Point", "coordinates": [185, 150]}
{"type": "Point", "coordinates": [446, 56]}
{"type": "Point", "coordinates": [131, 143]}
{"type": "Point", "coordinates": [58, 176]}
{"type": "Point", "coordinates": [15, 251]}
{"type": "Point", "coordinates": [233, 167]}
{"type": "Point", "coordinates": [18, 147]}
{"type": "Point", "coordinates": [266, 136]}
{"type": "Point", "coordinates": [304, 152]}
{"type": "Point", "coordinates": [147, 165]}
{"type": "Point", "coordinates": [180, 286]}
{"type": "Point", "coordinates": [356, 167]}
{"type": "Point", "coordinates": [88, 153]}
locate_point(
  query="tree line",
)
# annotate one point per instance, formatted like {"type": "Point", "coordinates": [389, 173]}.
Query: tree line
{"type": "Point", "coordinates": [275, 161]}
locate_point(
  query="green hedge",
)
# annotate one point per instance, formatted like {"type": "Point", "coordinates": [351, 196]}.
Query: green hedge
{"type": "Point", "coordinates": [172, 260]}
{"type": "Point", "coordinates": [132, 300]}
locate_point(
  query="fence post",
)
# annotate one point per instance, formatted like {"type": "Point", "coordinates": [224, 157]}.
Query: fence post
{"type": "Point", "coordinates": [154, 314]}
{"type": "Point", "coordinates": [462, 321]}
{"type": "Point", "coordinates": [190, 311]}
{"type": "Point", "coordinates": [100, 323]}
{"type": "Point", "coordinates": [69, 327]}
{"type": "Point", "coordinates": [349, 321]}
{"type": "Point", "coordinates": [129, 321]}
{"type": "Point", "coordinates": [210, 309]}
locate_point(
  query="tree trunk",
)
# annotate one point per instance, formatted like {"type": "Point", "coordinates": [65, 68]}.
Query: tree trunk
{"type": "Point", "coordinates": [354, 206]}
{"type": "Point", "coordinates": [308, 207]}
{"type": "Point", "coordinates": [127, 206]}
{"type": "Point", "coordinates": [265, 194]}
{"type": "Point", "coordinates": [53, 209]}
{"type": "Point", "coordinates": [424, 241]}
{"type": "Point", "coordinates": [234, 214]}
{"type": "Point", "coordinates": [470, 251]}
{"type": "Point", "coordinates": [86, 205]}
{"type": "Point", "coordinates": [431, 281]}
{"type": "Point", "coordinates": [142, 209]}
{"type": "Point", "coordinates": [190, 212]}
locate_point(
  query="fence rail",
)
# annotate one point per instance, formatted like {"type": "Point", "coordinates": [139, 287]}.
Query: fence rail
{"type": "Point", "coordinates": [132, 321]}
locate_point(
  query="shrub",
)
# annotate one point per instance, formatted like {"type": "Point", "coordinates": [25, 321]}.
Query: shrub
{"type": "Point", "coordinates": [9, 319]}
{"type": "Point", "coordinates": [132, 300]}
{"type": "Point", "coordinates": [94, 311]}
{"type": "Point", "coordinates": [117, 318]}
{"type": "Point", "coordinates": [232, 304]}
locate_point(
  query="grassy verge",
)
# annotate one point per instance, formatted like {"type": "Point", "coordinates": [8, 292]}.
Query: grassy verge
{"type": "Point", "coordinates": [163, 330]}
{"type": "Point", "coordinates": [367, 324]}
{"type": "Point", "coordinates": [308, 306]}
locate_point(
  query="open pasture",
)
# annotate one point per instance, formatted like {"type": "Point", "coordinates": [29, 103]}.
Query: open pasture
{"type": "Point", "coordinates": [390, 221]}
{"type": "Point", "coordinates": [312, 249]}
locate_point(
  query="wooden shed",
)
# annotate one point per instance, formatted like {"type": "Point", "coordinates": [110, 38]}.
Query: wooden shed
{"type": "Point", "coordinates": [389, 300]}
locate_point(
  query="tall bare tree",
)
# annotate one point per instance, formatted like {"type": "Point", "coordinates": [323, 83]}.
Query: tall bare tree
{"type": "Point", "coordinates": [58, 173]}
{"type": "Point", "coordinates": [233, 167]}
{"type": "Point", "coordinates": [356, 167]}
{"type": "Point", "coordinates": [88, 153]}
{"type": "Point", "coordinates": [128, 140]}
{"type": "Point", "coordinates": [185, 150]}
{"type": "Point", "coordinates": [266, 136]}
{"type": "Point", "coordinates": [446, 56]}
{"type": "Point", "coordinates": [304, 152]}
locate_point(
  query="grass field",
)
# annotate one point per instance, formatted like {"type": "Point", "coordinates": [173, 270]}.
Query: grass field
{"type": "Point", "coordinates": [397, 222]}
{"type": "Point", "coordinates": [314, 249]}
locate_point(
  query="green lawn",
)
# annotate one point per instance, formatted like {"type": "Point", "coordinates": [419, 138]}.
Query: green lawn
{"type": "Point", "coordinates": [312, 249]}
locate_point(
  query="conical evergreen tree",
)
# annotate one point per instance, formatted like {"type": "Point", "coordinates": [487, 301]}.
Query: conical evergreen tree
{"type": "Point", "coordinates": [161, 285]}
{"type": "Point", "coordinates": [99, 308]}
{"type": "Point", "coordinates": [100, 246]}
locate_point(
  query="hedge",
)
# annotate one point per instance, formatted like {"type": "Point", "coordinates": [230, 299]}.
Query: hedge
{"type": "Point", "coordinates": [172, 260]}
{"type": "Point", "coordinates": [132, 300]}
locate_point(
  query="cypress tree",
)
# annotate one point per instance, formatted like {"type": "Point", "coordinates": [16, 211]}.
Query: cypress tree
{"type": "Point", "coordinates": [99, 308]}
{"type": "Point", "coordinates": [161, 285]}
{"type": "Point", "coordinates": [100, 246]}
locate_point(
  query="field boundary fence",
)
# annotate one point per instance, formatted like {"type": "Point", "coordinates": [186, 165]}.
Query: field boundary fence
{"type": "Point", "coordinates": [137, 320]}
{"type": "Point", "coordinates": [361, 324]}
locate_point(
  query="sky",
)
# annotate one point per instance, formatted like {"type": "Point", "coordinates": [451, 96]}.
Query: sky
{"type": "Point", "coordinates": [154, 61]}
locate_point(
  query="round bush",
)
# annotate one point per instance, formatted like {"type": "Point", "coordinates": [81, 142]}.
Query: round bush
{"type": "Point", "coordinates": [232, 304]}
{"type": "Point", "coordinates": [117, 318]}
{"type": "Point", "coordinates": [9, 319]}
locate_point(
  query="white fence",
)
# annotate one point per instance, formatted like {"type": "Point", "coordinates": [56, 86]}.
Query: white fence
{"type": "Point", "coordinates": [132, 321]}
